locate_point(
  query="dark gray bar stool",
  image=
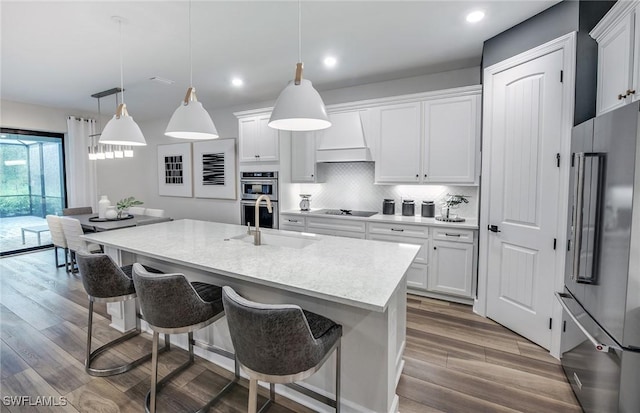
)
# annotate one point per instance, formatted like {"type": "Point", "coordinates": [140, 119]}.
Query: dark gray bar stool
{"type": "Point", "coordinates": [280, 344]}
{"type": "Point", "coordinates": [106, 282]}
{"type": "Point", "coordinates": [172, 305]}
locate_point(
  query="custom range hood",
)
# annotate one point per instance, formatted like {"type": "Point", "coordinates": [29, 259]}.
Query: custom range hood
{"type": "Point", "coordinates": [345, 140]}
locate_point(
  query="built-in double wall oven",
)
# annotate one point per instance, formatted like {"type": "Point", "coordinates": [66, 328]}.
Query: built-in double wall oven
{"type": "Point", "coordinates": [252, 185]}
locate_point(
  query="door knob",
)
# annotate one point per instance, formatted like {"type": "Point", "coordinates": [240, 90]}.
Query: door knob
{"type": "Point", "coordinates": [493, 228]}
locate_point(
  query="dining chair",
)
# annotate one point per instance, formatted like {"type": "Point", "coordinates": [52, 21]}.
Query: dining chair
{"type": "Point", "coordinates": [154, 212]}
{"type": "Point", "coordinates": [77, 211]}
{"type": "Point", "coordinates": [137, 210]}
{"type": "Point", "coordinates": [58, 239]}
{"type": "Point", "coordinates": [72, 231]}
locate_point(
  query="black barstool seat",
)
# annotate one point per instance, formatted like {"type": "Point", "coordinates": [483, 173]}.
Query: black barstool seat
{"type": "Point", "coordinates": [104, 281]}
{"type": "Point", "coordinates": [172, 305]}
{"type": "Point", "coordinates": [281, 344]}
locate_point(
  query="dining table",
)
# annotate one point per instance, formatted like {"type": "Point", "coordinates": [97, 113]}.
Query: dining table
{"type": "Point", "coordinates": [91, 222]}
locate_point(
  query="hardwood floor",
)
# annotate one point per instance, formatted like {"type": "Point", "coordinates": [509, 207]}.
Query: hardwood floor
{"type": "Point", "coordinates": [455, 360]}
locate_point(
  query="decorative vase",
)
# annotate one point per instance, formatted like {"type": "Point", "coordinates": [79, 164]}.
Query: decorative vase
{"type": "Point", "coordinates": [111, 213]}
{"type": "Point", "coordinates": [102, 206]}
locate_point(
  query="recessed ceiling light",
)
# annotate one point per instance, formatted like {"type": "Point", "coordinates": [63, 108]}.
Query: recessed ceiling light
{"type": "Point", "coordinates": [3, 136]}
{"type": "Point", "coordinates": [236, 81]}
{"type": "Point", "coordinates": [330, 61]}
{"type": "Point", "coordinates": [475, 16]}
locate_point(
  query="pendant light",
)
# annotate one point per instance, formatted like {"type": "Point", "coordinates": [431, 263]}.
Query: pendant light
{"type": "Point", "coordinates": [299, 106]}
{"type": "Point", "coordinates": [190, 120]}
{"type": "Point", "coordinates": [122, 129]}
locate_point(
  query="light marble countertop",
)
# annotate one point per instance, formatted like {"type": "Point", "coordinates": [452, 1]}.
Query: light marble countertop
{"type": "Point", "coordinates": [469, 223]}
{"type": "Point", "coordinates": [359, 273]}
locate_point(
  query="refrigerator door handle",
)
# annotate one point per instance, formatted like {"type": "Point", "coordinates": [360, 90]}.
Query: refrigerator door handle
{"type": "Point", "coordinates": [577, 217]}
{"type": "Point", "coordinates": [598, 346]}
{"type": "Point", "coordinates": [589, 275]}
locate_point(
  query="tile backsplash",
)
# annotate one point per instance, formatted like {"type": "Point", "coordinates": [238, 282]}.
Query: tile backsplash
{"type": "Point", "coordinates": [349, 185]}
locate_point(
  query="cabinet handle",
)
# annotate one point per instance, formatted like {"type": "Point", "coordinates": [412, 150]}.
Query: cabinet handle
{"type": "Point", "coordinates": [425, 175]}
{"type": "Point", "coordinates": [397, 230]}
{"type": "Point", "coordinates": [631, 92]}
{"type": "Point", "coordinates": [435, 248]}
{"type": "Point", "coordinates": [452, 235]}
{"type": "Point", "coordinates": [417, 176]}
{"type": "Point", "coordinates": [620, 97]}
{"type": "Point", "coordinates": [292, 220]}
{"type": "Point", "coordinates": [312, 175]}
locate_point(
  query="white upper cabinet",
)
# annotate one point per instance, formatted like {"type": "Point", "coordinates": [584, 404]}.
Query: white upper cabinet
{"type": "Point", "coordinates": [432, 139]}
{"type": "Point", "coordinates": [398, 128]}
{"type": "Point", "coordinates": [303, 157]}
{"type": "Point", "coordinates": [617, 67]}
{"type": "Point", "coordinates": [257, 141]}
{"type": "Point", "coordinates": [451, 137]}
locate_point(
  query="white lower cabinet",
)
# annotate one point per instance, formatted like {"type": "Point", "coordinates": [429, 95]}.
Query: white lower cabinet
{"type": "Point", "coordinates": [452, 264]}
{"type": "Point", "coordinates": [444, 267]}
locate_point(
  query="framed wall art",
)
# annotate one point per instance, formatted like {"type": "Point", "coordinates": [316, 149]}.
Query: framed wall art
{"type": "Point", "coordinates": [214, 169]}
{"type": "Point", "coordinates": [174, 170]}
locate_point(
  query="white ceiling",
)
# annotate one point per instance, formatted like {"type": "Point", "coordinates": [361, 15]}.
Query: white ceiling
{"type": "Point", "coordinates": [59, 53]}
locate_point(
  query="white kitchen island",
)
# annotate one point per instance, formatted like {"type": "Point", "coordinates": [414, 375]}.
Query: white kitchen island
{"type": "Point", "coordinates": [359, 284]}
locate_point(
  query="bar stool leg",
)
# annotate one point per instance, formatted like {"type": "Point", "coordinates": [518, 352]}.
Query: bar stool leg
{"type": "Point", "coordinates": [253, 396]}
{"type": "Point", "coordinates": [154, 372]}
{"type": "Point", "coordinates": [338, 363]}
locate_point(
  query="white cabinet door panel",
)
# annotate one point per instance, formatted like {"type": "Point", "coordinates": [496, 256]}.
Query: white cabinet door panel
{"type": "Point", "coordinates": [303, 157]}
{"type": "Point", "coordinates": [399, 143]}
{"type": "Point", "coordinates": [248, 130]}
{"type": "Point", "coordinates": [452, 268]}
{"type": "Point", "coordinates": [417, 276]}
{"type": "Point", "coordinates": [614, 65]}
{"type": "Point", "coordinates": [267, 140]}
{"type": "Point", "coordinates": [452, 132]}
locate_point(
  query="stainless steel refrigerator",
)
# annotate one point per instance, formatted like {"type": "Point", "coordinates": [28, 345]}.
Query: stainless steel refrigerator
{"type": "Point", "coordinates": [601, 299]}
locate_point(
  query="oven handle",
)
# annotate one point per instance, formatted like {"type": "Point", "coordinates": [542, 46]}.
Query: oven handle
{"type": "Point", "coordinates": [598, 346]}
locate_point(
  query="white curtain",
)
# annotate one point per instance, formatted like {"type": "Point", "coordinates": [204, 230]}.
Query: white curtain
{"type": "Point", "coordinates": [82, 182]}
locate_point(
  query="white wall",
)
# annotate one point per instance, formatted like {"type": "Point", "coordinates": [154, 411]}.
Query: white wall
{"type": "Point", "coordinates": [38, 118]}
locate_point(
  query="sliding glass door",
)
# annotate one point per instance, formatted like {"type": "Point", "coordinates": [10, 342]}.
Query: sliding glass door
{"type": "Point", "coordinates": [32, 185]}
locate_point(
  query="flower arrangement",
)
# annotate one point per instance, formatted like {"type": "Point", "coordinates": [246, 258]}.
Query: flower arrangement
{"type": "Point", "coordinates": [452, 202]}
{"type": "Point", "coordinates": [125, 203]}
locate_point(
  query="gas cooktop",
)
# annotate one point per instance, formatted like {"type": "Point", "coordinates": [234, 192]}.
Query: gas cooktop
{"type": "Point", "coordinates": [344, 212]}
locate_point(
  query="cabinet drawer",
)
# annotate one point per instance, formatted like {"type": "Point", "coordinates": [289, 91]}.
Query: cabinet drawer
{"type": "Point", "coordinates": [338, 224]}
{"type": "Point", "coordinates": [402, 230]}
{"type": "Point", "coordinates": [452, 234]}
{"type": "Point", "coordinates": [292, 221]}
{"type": "Point", "coordinates": [423, 254]}
{"type": "Point", "coordinates": [337, 233]}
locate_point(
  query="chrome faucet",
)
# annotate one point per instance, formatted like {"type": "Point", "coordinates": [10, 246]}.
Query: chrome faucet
{"type": "Point", "coordinates": [256, 232]}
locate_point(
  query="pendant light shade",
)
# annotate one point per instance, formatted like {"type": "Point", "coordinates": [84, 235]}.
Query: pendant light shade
{"type": "Point", "coordinates": [122, 129]}
{"type": "Point", "coordinates": [299, 106]}
{"type": "Point", "coordinates": [190, 120]}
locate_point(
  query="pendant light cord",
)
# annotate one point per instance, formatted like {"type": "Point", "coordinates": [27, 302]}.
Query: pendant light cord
{"type": "Point", "coordinates": [299, 31]}
{"type": "Point", "coordinates": [121, 65]}
{"type": "Point", "coordinates": [190, 50]}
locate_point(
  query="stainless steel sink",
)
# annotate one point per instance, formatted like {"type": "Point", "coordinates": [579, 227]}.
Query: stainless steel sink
{"type": "Point", "coordinates": [279, 239]}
